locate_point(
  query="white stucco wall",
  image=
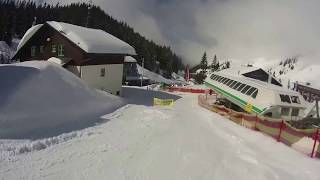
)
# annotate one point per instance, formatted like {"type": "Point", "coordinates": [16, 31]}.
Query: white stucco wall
{"type": "Point", "coordinates": [111, 82]}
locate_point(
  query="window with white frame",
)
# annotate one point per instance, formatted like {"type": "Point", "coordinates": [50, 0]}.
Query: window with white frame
{"type": "Point", "coordinates": [53, 48]}
{"type": "Point", "coordinates": [60, 50]}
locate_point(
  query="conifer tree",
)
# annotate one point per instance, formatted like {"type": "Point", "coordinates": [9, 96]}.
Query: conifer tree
{"type": "Point", "coordinates": [204, 62]}
{"type": "Point", "coordinates": [214, 66]}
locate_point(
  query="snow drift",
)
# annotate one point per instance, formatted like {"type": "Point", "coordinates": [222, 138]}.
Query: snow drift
{"type": "Point", "coordinates": [41, 99]}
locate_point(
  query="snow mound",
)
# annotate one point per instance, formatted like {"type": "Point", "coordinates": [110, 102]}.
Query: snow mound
{"type": "Point", "coordinates": [41, 99]}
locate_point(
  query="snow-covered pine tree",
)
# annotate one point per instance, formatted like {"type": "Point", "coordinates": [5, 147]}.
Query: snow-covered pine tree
{"type": "Point", "coordinates": [204, 62]}
{"type": "Point", "coordinates": [214, 63]}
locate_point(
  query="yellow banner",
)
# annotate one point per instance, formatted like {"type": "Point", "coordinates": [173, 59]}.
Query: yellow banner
{"type": "Point", "coordinates": [249, 107]}
{"type": "Point", "coordinates": [163, 102]}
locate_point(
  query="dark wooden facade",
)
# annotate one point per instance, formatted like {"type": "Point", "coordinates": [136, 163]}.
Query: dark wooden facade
{"type": "Point", "coordinates": [310, 94]}
{"type": "Point", "coordinates": [262, 76]}
{"type": "Point", "coordinates": [47, 37]}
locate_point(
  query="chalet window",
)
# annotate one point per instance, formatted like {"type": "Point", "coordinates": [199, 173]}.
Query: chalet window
{"type": "Point", "coordinates": [54, 48]}
{"type": "Point", "coordinates": [33, 51]}
{"type": "Point", "coordinates": [41, 49]}
{"type": "Point", "coordinates": [102, 72]}
{"type": "Point", "coordinates": [60, 50]}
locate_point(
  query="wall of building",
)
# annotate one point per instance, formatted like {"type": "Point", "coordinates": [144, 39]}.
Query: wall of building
{"type": "Point", "coordinates": [110, 82]}
{"type": "Point", "coordinates": [75, 70]}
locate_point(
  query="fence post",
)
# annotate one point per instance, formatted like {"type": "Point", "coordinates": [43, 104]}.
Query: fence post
{"type": "Point", "coordinates": [316, 136]}
{"type": "Point", "coordinates": [281, 127]}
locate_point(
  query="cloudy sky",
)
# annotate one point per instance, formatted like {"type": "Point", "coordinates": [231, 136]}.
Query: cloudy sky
{"type": "Point", "coordinates": [245, 31]}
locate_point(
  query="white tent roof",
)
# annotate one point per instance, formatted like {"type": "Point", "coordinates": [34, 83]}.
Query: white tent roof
{"type": "Point", "coordinates": [237, 71]}
{"type": "Point", "coordinates": [90, 40]}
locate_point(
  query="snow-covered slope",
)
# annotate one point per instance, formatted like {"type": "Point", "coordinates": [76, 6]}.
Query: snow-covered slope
{"type": "Point", "coordinates": [42, 99]}
{"type": "Point", "coordinates": [180, 142]}
{"type": "Point", "coordinates": [295, 70]}
{"type": "Point", "coordinates": [154, 76]}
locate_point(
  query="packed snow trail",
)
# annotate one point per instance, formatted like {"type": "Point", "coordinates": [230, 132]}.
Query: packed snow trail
{"type": "Point", "coordinates": [182, 142]}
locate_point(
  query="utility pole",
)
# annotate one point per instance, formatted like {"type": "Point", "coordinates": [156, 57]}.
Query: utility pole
{"type": "Point", "coordinates": [142, 71]}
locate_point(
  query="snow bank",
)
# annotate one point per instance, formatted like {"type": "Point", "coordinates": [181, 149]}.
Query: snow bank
{"type": "Point", "coordinates": [182, 142]}
{"type": "Point", "coordinates": [41, 99]}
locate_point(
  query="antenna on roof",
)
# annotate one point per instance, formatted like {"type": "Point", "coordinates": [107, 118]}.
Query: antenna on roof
{"type": "Point", "coordinates": [89, 13]}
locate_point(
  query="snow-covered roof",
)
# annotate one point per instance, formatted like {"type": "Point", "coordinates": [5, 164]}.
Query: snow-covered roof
{"type": "Point", "coordinates": [129, 59]}
{"type": "Point", "coordinates": [58, 61]}
{"type": "Point", "coordinates": [240, 69]}
{"type": "Point", "coordinates": [28, 35]}
{"type": "Point", "coordinates": [88, 39]}
{"type": "Point", "coordinates": [201, 70]}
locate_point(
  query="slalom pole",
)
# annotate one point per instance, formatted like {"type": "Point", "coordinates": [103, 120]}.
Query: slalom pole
{"type": "Point", "coordinates": [316, 136]}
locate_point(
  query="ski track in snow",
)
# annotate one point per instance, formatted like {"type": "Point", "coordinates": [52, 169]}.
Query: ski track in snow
{"type": "Point", "coordinates": [179, 142]}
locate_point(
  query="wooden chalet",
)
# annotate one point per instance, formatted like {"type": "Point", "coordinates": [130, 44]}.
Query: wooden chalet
{"type": "Point", "coordinates": [93, 55]}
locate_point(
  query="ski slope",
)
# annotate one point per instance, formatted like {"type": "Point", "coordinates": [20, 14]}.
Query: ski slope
{"type": "Point", "coordinates": [144, 142]}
